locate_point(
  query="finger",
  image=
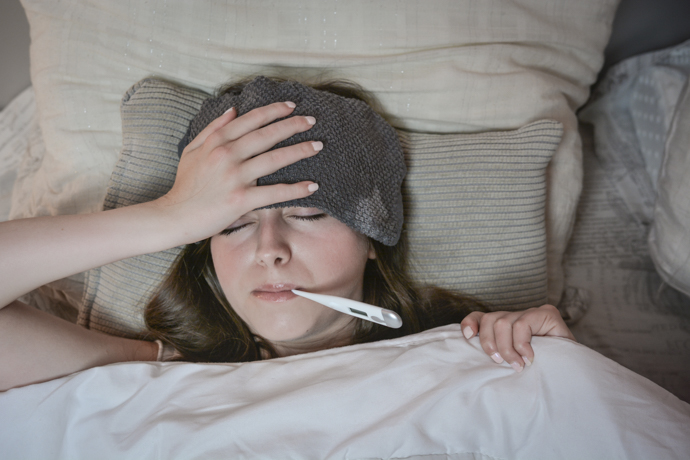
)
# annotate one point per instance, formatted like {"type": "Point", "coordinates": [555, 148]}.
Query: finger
{"type": "Point", "coordinates": [547, 321]}
{"type": "Point", "coordinates": [270, 162]}
{"type": "Point", "coordinates": [503, 331]}
{"type": "Point", "coordinates": [553, 325]}
{"type": "Point", "coordinates": [265, 138]}
{"type": "Point", "coordinates": [522, 338]}
{"type": "Point", "coordinates": [250, 122]}
{"type": "Point", "coordinates": [487, 337]}
{"type": "Point", "coordinates": [214, 126]}
{"type": "Point", "coordinates": [470, 324]}
{"type": "Point", "coordinates": [266, 195]}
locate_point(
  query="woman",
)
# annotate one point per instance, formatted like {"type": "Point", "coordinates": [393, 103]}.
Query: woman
{"type": "Point", "coordinates": [255, 227]}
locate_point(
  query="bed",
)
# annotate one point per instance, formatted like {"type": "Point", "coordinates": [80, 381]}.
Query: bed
{"type": "Point", "coordinates": [496, 84]}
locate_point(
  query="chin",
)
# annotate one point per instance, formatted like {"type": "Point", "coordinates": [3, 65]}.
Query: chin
{"type": "Point", "coordinates": [284, 336]}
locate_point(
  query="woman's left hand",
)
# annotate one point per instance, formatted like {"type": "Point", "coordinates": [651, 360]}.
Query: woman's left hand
{"type": "Point", "coordinates": [506, 336]}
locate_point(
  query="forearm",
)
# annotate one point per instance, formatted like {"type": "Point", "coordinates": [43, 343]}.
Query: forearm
{"type": "Point", "coordinates": [214, 186]}
{"type": "Point", "coordinates": [40, 250]}
{"type": "Point", "coordinates": [36, 346]}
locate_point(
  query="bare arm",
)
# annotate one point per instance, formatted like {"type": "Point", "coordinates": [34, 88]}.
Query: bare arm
{"type": "Point", "coordinates": [39, 250]}
{"type": "Point", "coordinates": [215, 185]}
{"type": "Point", "coordinates": [36, 346]}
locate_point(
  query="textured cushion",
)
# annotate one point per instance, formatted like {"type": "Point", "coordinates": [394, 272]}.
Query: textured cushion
{"type": "Point", "coordinates": [475, 208]}
{"type": "Point", "coordinates": [448, 66]}
{"type": "Point", "coordinates": [475, 211]}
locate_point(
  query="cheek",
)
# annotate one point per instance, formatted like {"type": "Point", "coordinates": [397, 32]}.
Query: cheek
{"type": "Point", "coordinates": [227, 264]}
{"type": "Point", "coordinates": [337, 259]}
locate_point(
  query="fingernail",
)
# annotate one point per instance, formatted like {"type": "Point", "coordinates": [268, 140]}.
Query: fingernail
{"type": "Point", "coordinates": [313, 187]}
{"type": "Point", "coordinates": [516, 366]}
{"type": "Point", "coordinates": [317, 145]}
{"type": "Point", "coordinates": [229, 110]}
{"type": "Point", "coordinates": [467, 332]}
{"type": "Point", "coordinates": [496, 357]}
{"type": "Point", "coordinates": [528, 363]}
{"type": "Point", "coordinates": [292, 105]}
{"type": "Point", "coordinates": [311, 120]}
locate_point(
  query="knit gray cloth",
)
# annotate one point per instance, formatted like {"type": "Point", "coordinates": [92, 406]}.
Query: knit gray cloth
{"type": "Point", "coordinates": [360, 169]}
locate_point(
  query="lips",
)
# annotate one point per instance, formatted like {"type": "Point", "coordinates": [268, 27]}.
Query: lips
{"type": "Point", "coordinates": [277, 292]}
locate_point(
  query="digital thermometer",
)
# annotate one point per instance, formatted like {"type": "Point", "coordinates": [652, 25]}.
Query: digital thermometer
{"type": "Point", "coordinates": [354, 308]}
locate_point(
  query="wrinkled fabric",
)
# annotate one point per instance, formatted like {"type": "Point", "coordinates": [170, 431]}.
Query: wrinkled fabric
{"type": "Point", "coordinates": [429, 395]}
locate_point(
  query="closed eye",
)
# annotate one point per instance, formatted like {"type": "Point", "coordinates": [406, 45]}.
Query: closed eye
{"type": "Point", "coordinates": [228, 231]}
{"type": "Point", "coordinates": [311, 218]}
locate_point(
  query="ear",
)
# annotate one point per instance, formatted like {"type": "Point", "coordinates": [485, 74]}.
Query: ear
{"type": "Point", "coordinates": [372, 252]}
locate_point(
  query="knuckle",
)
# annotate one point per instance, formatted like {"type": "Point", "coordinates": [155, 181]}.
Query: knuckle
{"type": "Point", "coordinates": [492, 316]}
{"type": "Point", "coordinates": [298, 123]}
{"type": "Point", "coordinates": [214, 138]}
{"type": "Point", "coordinates": [260, 115]}
{"type": "Point", "coordinates": [271, 131]}
{"type": "Point", "coordinates": [521, 323]}
{"type": "Point", "coordinates": [503, 323]}
{"type": "Point", "coordinates": [280, 156]}
{"type": "Point", "coordinates": [521, 348]}
{"type": "Point", "coordinates": [487, 345]}
{"type": "Point", "coordinates": [476, 315]}
{"type": "Point", "coordinates": [237, 198]}
{"type": "Point", "coordinates": [507, 352]}
{"type": "Point", "coordinates": [487, 318]}
{"type": "Point", "coordinates": [220, 152]}
{"type": "Point", "coordinates": [549, 307]}
{"type": "Point", "coordinates": [295, 124]}
{"type": "Point", "coordinates": [306, 148]}
{"type": "Point", "coordinates": [268, 113]}
{"type": "Point", "coordinates": [279, 108]}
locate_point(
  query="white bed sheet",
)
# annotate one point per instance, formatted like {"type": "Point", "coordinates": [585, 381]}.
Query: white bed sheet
{"type": "Point", "coordinates": [428, 396]}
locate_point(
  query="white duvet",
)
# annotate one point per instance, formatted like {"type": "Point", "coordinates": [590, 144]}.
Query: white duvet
{"type": "Point", "coordinates": [428, 396]}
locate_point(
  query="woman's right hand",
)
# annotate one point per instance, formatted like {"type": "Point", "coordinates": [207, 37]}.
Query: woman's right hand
{"type": "Point", "coordinates": [215, 186]}
{"type": "Point", "coordinates": [218, 171]}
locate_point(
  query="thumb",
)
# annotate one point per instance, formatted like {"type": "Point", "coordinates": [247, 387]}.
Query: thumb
{"type": "Point", "coordinates": [470, 324]}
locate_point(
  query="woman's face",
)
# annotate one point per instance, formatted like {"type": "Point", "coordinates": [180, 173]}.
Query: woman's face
{"type": "Point", "coordinates": [268, 252]}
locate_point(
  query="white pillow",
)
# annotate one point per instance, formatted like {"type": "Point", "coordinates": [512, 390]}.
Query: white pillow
{"type": "Point", "coordinates": [669, 239]}
{"type": "Point", "coordinates": [447, 66]}
{"type": "Point", "coordinates": [641, 115]}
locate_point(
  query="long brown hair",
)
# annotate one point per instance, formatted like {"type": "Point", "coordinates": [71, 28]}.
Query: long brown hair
{"type": "Point", "coordinates": [190, 311]}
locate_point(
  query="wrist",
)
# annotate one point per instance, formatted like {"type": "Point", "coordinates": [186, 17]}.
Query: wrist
{"type": "Point", "coordinates": [173, 222]}
{"type": "Point", "coordinates": [140, 350]}
{"type": "Point", "coordinates": [166, 352]}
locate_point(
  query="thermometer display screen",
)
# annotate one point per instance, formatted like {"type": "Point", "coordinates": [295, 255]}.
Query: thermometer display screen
{"type": "Point", "coordinates": [358, 312]}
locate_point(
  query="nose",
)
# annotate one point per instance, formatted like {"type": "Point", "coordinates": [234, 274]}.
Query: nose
{"type": "Point", "coordinates": [272, 248]}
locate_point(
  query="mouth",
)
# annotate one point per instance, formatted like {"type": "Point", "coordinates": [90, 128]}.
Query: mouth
{"type": "Point", "coordinates": [278, 292]}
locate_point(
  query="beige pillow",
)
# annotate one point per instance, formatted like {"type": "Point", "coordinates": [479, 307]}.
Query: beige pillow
{"type": "Point", "coordinates": [474, 208]}
{"type": "Point", "coordinates": [446, 66]}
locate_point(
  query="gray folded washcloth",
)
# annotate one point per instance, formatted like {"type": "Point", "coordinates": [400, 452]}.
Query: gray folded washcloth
{"type": "Point", "coordinates": [360, 169]}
